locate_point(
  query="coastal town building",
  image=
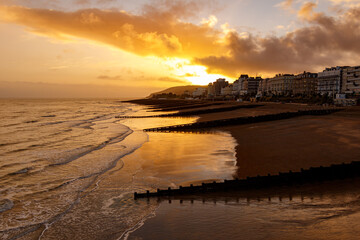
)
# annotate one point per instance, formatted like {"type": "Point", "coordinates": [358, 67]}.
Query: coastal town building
{"type": "Point", "coordinates": [330, 81]}
{"type": "Point", "coordinates": [351, 81]}
{"type": "Point", "coordinates": [236, 87]}
{"type": "Point", "coordinates": [305, 83]}
{"type": "Point", "coordinates": [219, 84]}
{"type": "Point", "coordinates": [242, 84]}
{"type": "Point", "coordinates": [341, 100]}
{"type": "Point", "coordinates": [253, 85]}
{"type": "Point", "coordinates": [199, 92]}
{"type": "Point", "coordinates": [341, 83]}
{"type": "Point", "coordinates": [227, 91]}
{"type": "Point", "coordinates": [281, 84]}
{"type": "Point", "coordinates": [214, 89]}
{"type": "Point", "coordinates": [246, 85]}
{"type": "Point", "coordinates": [211, 90]}
{"type": "Point", "coordinates": [263, 87]}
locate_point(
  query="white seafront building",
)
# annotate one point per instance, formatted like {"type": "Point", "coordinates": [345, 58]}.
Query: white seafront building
{"type": "Point", "coordinates": [227, 91]}
{"type": "Point", "coordinates": [199, 92]}
{"type": "Point", "coordinates": [341, 82]}
{"type": "Point", "coordinates": [330, 81]}
{"type": "Point", "coordinates": [351, 81]}
{"type": "Point", "coordinates": [246, 85]}
{"type": "Point", "coordinates": [215, 88]}
{"type": "Point", "coordinates": [281, 84]}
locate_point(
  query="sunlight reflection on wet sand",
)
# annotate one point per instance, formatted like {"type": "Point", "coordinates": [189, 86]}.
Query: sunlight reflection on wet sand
{"type": "Point", "coordinates": [184, 158]}
{"type": "Point", "coordinates": [321, 211]}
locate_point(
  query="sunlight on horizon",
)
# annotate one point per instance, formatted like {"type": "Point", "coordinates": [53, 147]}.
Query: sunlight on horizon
{"type": "Point", "coordinates": [196, 74]}
{"type": "Point", "coordinates": [143, 48]}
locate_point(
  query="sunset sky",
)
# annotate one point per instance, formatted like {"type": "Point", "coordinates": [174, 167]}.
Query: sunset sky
{"type": "Point", "coordinates": [122, 48]}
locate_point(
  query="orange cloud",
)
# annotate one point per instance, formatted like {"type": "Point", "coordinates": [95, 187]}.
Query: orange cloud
{"type": "Point", "coordinates": [161, 31]}
{"type": "Point", "coordinates": [156, 32]}
{"type": "Point", "coordinates": [307, 11]}
{"type": "Point", "coordinates": [174, 80]}
{"type": "Point", "coordinates": [324, 42]}
{"type": "Point", "coordinates": [286, 5]}
{"type": "Point", "coordinates": [106, 77]}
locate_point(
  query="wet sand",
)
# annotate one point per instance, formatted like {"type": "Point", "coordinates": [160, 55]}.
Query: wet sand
{"type": "Point", "coordinates": [267, 108]}
{"type": "Point", "coordinates": [292, 144]}
{"type": "Point", "coordinates": [316, 211]}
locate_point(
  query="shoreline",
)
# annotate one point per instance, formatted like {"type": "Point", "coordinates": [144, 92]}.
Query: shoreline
{"type": "Point", "coordinates": [289, 144]}
{"type": "Point", "coordinates": [292, 144]}
{"type": "Point", "coordinates": [271, 147]}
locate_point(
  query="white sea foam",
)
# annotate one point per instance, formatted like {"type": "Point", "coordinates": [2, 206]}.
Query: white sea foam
{"type": "Point", "coordinates": [82, 171]}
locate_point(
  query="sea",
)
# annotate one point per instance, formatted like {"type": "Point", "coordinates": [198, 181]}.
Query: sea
{"type": "Point", "coordinates": [69, 169]}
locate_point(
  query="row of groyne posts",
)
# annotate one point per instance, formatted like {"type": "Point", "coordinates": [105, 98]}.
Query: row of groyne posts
{"type": "Point", "coordinates": [312, 175]}
{"type": "Point", "coordinates": [191, 106]}
{"type": "Point", "coordinates": [195, 112]}
{"type": "Point", "coordinates": [242, 120]}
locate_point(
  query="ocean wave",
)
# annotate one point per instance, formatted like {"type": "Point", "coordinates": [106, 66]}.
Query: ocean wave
{"type": "Point", "coordinates": [52, 123]}
{"type": "Point", "coordinates": [31, 169]}
{"type": "Point", "coordinates": [70, 183]}
{"type": "Point", "coordinates": [65, 183]}
{"type": "Point", "coordinates": [10, 125]}
{"type": "Point", "coordinates": [6, 205]}
{"type": "Point", "coordinates": [31, 121]}
{"type": "Point", "coordinates": [18, 150]}
{"type": "Point", "coordinates": [82, 193]}
{"type": "Point", "coordinates": [60, 132]}
{"type": "Point", "coordinates": [107, 169]}
{"type": "Point", "coordinates": [21, 171]}
{"type": "Point", "coordinates": [87, 123]}
{"type": "Point", "coordinates": [45, 143]}
{"type": "Point", "coordinates": [113, 140]}
{"type": "Point", "coordinates": [8, 144]}
{"type": "Point", "coordinates": [9, 165]}
{"type": "Point", "coordinates": [30, 147]}
{"type": "Point", "coordinates": [27, 148]}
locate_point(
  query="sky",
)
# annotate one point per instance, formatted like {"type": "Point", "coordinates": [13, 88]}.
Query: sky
{"type": "Point", "coordinates": [125, 49]}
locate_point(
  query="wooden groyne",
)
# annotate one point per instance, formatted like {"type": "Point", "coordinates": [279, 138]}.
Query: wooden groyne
{"type": "Point", "coordinates": [312, 175]}
{"type": "Point", "coordinates": [197, 126]}
{"type": "Point", "coordinates": [168, 103]}
{"type": "Point", "coordinates": [164, 109]}
{"type": "Point", "coordinates": [196, 112]}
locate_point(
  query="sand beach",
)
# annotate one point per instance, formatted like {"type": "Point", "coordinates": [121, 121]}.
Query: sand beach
{"type": "Point", "coordinates": [283, 145]}
{"type": "Point", "coordinates": [311, 211]}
